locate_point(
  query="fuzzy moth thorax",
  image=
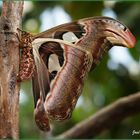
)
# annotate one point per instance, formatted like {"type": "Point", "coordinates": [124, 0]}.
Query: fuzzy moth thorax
{"type": "Point", "coordinates": [27, 65]}
{"type": "Point", "coordinates": [26, 40]}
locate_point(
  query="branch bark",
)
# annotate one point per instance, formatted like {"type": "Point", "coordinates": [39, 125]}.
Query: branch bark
{"type": "Point", "coordinates": [105, 118]}
{"type": "Point", "coordinates": [9, 66]}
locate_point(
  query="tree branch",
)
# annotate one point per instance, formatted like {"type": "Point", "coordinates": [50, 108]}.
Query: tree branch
{"type": "Point", "coordinates": [105, 118]}
{"type": "Point", "coordinates": [9, 61]}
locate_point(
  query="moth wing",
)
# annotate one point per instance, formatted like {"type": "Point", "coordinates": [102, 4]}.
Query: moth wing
{"type": "Point", "coordinates": [40, 78]}
{"type": "Point", "coordinates": [76, 31]}
{"type": "Point", "coordinates": [80, 33]}
{"type": "Point", "coordinates": [95, 34]}
{"type": "Point", "coordinates": [67, 82]}
{"type": "Point", "coordinates": [58, 31]}
{"type": "Point", "coordinates": [36, 87]}
{"type": "Point", "coordinates": [92, 37]}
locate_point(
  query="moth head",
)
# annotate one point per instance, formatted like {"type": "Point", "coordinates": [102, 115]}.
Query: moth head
{"type": "Point", "coordinates": [25, 38]}
{"type": "Point", "coordinates": [116, 33]}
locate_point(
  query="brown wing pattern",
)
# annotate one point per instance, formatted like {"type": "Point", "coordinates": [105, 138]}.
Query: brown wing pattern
{"type": "Point", "coordinates": [66, 54]}
{"type": "Point", "coordinates": [66, 82]}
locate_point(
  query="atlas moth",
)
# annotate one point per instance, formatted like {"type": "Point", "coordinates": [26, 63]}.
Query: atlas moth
{"type": "Point", "coordinates": [59, 60]}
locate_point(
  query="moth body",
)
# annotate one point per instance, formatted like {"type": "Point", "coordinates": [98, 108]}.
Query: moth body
{"type": "Point", "coordinates": [27, 65]}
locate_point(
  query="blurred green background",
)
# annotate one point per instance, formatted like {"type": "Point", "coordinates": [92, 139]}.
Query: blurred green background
{"type": "Point", "coordinates": [117, 75]}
